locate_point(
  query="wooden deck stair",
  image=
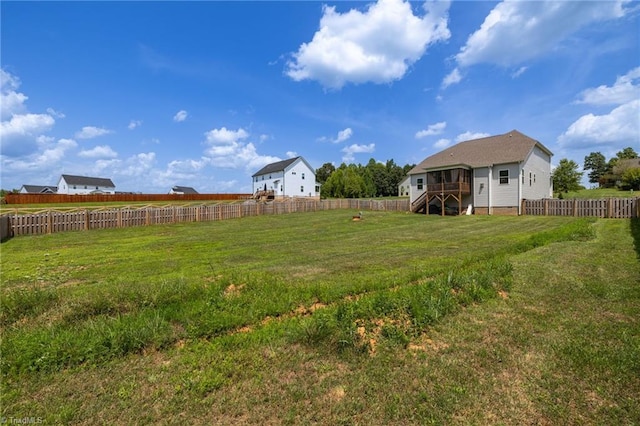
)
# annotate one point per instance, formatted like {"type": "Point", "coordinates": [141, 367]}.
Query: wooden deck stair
{"type": "Point", "coordinates": [420, 204]}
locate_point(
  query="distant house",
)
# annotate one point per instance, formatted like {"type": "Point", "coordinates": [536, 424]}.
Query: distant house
{"type": "Point", "coordinates": [492, 175]}
{"type": "Point", "coordinates": [288, 178]}
{"type": "Point", "coordinates": [82, 185]}
{"type": "Point", "coordinates": [404, 187]}
{"type": "Point", "coordinates": [182, 190]}
{"type": "Point", "coordinates": [38, 189]}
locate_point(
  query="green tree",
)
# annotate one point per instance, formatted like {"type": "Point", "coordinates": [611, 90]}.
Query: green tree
{"type": "Point", "coordinates": [631, 178]}
{"type": "Point", "coordinates": [378, 175]}
{"type": "Point", "coordinates": [597, 163]}
{"type": "Point", "coordinates": [395, 175]}
{"type": "Point", "coordinates": [626, 154]}
{"type": "Point", "coordinates": [566, 176]}
{"type": "Point", "coordinates": [323, 173]}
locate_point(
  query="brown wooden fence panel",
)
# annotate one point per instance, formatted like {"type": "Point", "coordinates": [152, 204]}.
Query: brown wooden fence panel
{"type": "Point", "coordinates": [617, 208]}
{"type": "Point", "coordinates": [50, 221]}
{"type": "Point", "coordinates": [104, 198]}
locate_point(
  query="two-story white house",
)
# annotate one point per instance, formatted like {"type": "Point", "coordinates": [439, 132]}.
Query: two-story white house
{"type": "Point", "coordinates": [82, 185]}
{"type": "Point", "coordinates": [287, 178]}
{"type": "Point", "coordinates": [492, 175]}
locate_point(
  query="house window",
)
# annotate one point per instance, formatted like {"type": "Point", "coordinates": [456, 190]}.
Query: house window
{"type": "Point", "coordinates": [302, 188]}
{"type": "Point", "coordinates": [262, 177]}
{"type": "Point", "coordinates": [303, 176]}
{"type": "Point", "coordinates": [420, 183]}
{"type": "Point", "coordinates": [504, 177]}
{"type": "Point", "coordinates": [523, 176]}
{"type": "Point", "coordinates": [530, 177]}
{"type": "Point", "coordinates": [534, 178]}
{"type": "Point", "coordinates": [293, 173]}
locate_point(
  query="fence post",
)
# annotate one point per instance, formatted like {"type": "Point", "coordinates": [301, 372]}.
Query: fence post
{"type": "Point", "coordinates": [49, 222]}
{"type": "Point", "coordinates": [86, 220]}
{"type": "Point", "coordinates": [575, 207]}
{"type": "Point", "coordinates": [609, 208]}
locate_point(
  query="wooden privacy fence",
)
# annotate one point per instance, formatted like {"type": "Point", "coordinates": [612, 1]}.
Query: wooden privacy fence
{"type": "Point", "coordinates": [617, 208]}
{"type": "Point", "coordinates": [118, 198]}
{"type": "Point", "coordinates": [50, 221]}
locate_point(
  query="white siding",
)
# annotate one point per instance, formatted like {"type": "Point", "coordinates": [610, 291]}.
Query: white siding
{"type": "Point", "coordinates": [415, 191]}
{"type": "Point", "coordinates": [506, 194]}
{"type": "Point", "coordinates": [298, 180]}
{"type": "Point", "coordinates": [273, 181]}
{"type": "Point", "coordinates": [404, 188]}
{"type": "Point", "coordinates": [481, 187]}
{"type": "Point", "coordinates": [537, 176]}
{"type": "Point", "coordinates": [64, 188]}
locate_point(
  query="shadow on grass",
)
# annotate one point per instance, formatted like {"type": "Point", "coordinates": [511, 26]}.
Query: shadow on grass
{"type": "Point", "coordinates": [635, 232]}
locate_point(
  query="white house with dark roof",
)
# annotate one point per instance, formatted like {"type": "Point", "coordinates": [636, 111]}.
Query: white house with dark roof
{"type": "Point", "coordinates": [83, 185]}
{"type": "Point", "coordinates": [287, 178]}
{"type": "Point", "coordinates": [492, 175]}
{"type": "Point", "coordinates": [182, 190]}
{"type": "Point", "coordinates": [38, 189]}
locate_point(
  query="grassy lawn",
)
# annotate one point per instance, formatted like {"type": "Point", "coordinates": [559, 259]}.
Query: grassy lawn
{"type": "Point", "coordinates": [598, 193]}
{"type": "Point", "coordinates": [313, 318]}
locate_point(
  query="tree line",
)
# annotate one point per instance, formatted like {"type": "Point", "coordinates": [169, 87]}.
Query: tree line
{"type": "Point", "coordinates": [355, 181]}
{"type": "Point", "coordinates": [607, 174]}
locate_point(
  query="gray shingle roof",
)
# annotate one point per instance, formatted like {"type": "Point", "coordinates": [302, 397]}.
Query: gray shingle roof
{"type": "Point", "coordinates": [511, 147]}
{"type": "Point", "coordinates": [184, 189]}
{"type": "Point", "coordinates": [40, 189]}
{"type": "Point", "coordinates": [89, 181]}
{"type": "Point", "coordinates": [278, 166]}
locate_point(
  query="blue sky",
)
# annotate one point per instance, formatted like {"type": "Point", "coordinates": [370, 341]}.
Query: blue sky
{"type": "Point", "coordinates": [203, 94]}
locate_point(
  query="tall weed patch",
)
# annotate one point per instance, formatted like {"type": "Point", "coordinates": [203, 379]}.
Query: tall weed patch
{"type": "Point", "coordinates": [396, 315]}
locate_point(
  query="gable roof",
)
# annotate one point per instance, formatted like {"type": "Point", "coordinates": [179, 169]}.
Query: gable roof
{"type": "Point", "coordinates": [184, 189]}
{"type": "Point", "coordinates": [89, 181]}
{"type": "Point", "coordinates": [40, 189]}
{"type": "Point", "coordinates": [278, 166]}
{"type": "Point", "coordinates": [511, 147]}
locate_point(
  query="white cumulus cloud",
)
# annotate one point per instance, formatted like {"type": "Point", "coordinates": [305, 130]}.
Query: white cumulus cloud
{"type": "Point", "coordinates": [469, 136]}
{"type": "Point", "coordinates": [90, 132]}
{"type": "Point", "coordinates": [432, 129]}
{"type": "Point", "coordinates": [350, 150]}
{"type": "Point", "coordinates": [619, 127]}
{"type": "Point", "coordinates": [229, 149]}
{"type": "Point", "coordinates": [625, 89]}
{"type": "Point", "coordinates": [134, 123]}
{"type": "Point", "coordinates": [377, 45]}
{"type": "Point", "coordinates": [517, 31]}
{"type": "Point", "coordinates": [452, 78]}
{"type": "Point", "coordinates": [343, 135]}
{"type": "Point", "coordinates": [180, 116]}
{"type": "Point", "coordinates": [442, 143]}
{"type": "Point", "coordinates": [100, 151]}
{"type": "Point", "coordinates": [19, 129]}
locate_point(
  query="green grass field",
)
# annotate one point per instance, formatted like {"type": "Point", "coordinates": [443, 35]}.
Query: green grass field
{"type": "Point", "coordinates": [313, 318]}
{"type": "Point", "coordinates": [598, 193]}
